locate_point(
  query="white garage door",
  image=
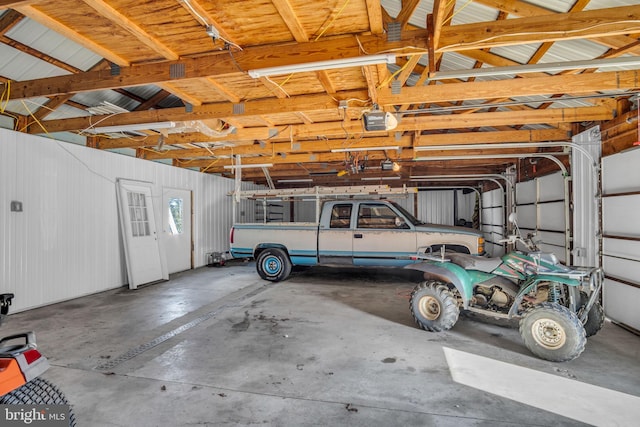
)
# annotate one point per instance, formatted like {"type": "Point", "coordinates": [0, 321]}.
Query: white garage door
{"type": "Point", "coordinates": [492, 218]}
{"type": "Point", "coordinates": [621, 237]}
{"type": "Point", "coordinates": [540, 205]}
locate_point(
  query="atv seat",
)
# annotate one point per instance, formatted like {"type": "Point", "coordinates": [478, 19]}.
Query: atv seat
{"type": "Point", "coordinates": [471, 262]}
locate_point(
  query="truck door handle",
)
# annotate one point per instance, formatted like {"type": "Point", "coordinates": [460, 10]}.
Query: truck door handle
{"type": "Point", "coordinates": [357, 236]}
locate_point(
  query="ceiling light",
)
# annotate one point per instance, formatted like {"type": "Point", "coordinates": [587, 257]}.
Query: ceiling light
{"type": "Point", "coordinates": [382, 148]}
{"type": "Point", "coordinates": [132, 127]}
{"type": "Point", "coordinates": [257, 165]}
{"type": "Point", "coordinates": [357, 61]}
{"type": "Point", "coordinates": [537, 68]}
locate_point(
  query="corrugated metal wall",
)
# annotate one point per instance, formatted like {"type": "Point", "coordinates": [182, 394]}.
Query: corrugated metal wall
{"type": "Point", "coordinates": [66, 241]}
{"type": "Point", "coordinates": [621, 232]}
{"type": "Point", "coordinates": [436, 207]}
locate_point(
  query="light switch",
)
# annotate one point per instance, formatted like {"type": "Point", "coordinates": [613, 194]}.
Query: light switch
{"type": "Point", "coordinates": [16, 206]}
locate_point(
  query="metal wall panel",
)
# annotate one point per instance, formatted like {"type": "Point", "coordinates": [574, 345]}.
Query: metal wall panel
{"type": "Point", "coordinates": [527, 216]}
{"type": "Point", "coordinates": [586, 222]}
{"type": "Point", "coordinates": [621, 302]}
{"type": "Point", "coordinates": [436, 207]}
{"type": "Point", "coordinates": [492, 217]}
{"type": "Point", "coordinates": [541, 209]}
{"type": "Point", "coordinates": [551, 187]}
{"type": "Point", "coordinates": [66, 242]}
{"type": "Point", "coordinates": [621, 242]}
{"type": "Point", "coordinates": [620, 215]}
{"type": "Point", "coordinates": [526, 192]}
{"type": "Point", "coordinates": [551, 216]}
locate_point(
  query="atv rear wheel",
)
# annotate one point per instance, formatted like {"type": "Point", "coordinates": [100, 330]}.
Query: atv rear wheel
{"type": "Point", "coordinates": [434, 307]}
{"type": "Point", "coordinates": [553, 332]}
{"type": "Point", "coordinates": [595, 319]}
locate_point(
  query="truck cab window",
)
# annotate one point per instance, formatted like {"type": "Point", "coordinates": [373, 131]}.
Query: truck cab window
{"type": "Point", "coordinates": [340, 216]}
{"type": "Point", "coordinates": [376, 216]}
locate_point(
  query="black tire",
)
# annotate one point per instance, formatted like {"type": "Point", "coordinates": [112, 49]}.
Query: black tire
{"type": "Point", "coordinates": [38, 392]}
{"type": "Point", "coordinates": [273, 264]}
{"type": "Point", "coordinates": [434, 307]}
{"type": "Point", "coordinates": [595, 319]}
{"type": "Point", "coordinates": [553, 332]}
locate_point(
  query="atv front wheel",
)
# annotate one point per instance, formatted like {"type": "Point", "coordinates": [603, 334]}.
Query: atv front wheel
{"type": "Point", "coordinates": [433, 306]}
{"type": "Point", "coordinates": [553, 332]}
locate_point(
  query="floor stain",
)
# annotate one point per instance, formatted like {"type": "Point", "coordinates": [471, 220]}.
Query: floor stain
{"type": "Point", "coordinates": [389, 360]}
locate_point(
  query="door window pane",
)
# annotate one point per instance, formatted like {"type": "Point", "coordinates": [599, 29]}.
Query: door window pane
{"type": "Point", "coordinates": [176, 209]}
{"type": "Point", "coordinates": [138, 213]}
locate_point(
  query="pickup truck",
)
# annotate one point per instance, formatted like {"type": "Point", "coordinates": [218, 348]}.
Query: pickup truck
{"type": "Point", "coordinates": [371, 233]}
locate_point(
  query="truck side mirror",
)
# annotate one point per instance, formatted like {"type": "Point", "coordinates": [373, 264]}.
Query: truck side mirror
{"type": "Point", "coordinates": [400, 222]}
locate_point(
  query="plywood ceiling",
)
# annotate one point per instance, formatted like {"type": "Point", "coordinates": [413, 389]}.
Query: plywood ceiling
{"type": "Point", "coordinates": [158, 61]}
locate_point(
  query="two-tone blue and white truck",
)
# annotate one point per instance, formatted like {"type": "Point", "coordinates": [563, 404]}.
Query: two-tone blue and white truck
{"type": "Point", "coordinates": [368, 233]}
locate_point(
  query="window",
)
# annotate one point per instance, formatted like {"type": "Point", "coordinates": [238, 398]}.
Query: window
{"type": "Point", "coordinates": [340, 216]}
{"type": "Point", "coordinates": [376, 216]}
{"type": "Point", "coordinates": [138, 213]}
{"type": "Point", "coordinates": [176, 209]}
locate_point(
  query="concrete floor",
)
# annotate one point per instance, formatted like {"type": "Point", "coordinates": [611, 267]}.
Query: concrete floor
{"type": "Point", "coordinates": [219, 346]}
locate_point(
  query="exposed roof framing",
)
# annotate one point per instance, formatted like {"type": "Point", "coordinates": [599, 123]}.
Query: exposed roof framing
{"type": "Point", "coordinates": [186, 62]}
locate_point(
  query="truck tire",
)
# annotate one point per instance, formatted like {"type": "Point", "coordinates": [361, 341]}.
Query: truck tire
{"type": "Point", "coordinates": [38, 392]}
{"type": "Point", "coordinates": [553, 332]}
{"type": "Point", "coordinates": [434, 307]}
{"type": "Point", "coordinates": [273, 264]}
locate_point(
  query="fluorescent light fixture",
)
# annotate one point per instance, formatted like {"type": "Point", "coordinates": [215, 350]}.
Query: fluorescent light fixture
{"type": "Point", "coordinates": [132, 127]}
{"type": "Point", "coordinates": [296, 180]}
{"type": "Point", "coordinates": [356, 61]}
{"type": "Point", "coordinates": [537, 68]}
{"type": "Point", "coordinates": [380, 178]}
{"type": "Point", "coordinates": [483, 146]}
{"type": "Point", "coordinates": [489, 156]}
{"type": "Point", "coordinates": [257, 165]}
{"type": "Point", "coordinates": [346, 150]}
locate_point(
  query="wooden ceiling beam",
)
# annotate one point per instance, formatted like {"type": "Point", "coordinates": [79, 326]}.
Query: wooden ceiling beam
{"type": "Point", "coordinates": [34, 13]}
{"type": "Point", "coordinates": [9, 20]}
{"type": "Point", "coordinates": [213, 65]}
{"type": "Point", "coordinates": [523, 9]}
{"type": "Point", "coordinates": [408, 8]}
{"type": "Point", "coordinates": [544, 28]}
{"type": "Point", "coordinates": [276, 148]}
{"type": "Point", "coordinates": [285, 9]}
{"type": "Point", "coordinates": [118, 18]}
{"type": "Point", "coordinates": [453, 121]}
{"type": "Point", "coordinates": [374, 11]}
{"type": "Point", "coordinates": [252, 134]}
{"type": "Point", "coordinates": [511, 88]}
{"type": "Point", "coordinates": [268, 106]}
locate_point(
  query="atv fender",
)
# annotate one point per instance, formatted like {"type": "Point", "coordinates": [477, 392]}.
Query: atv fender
{"type": "Point", "coordinates": [447, 273]}
{"type": "Point", "coordinates": [533, 281]}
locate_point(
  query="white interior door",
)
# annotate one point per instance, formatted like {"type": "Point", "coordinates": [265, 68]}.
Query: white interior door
{"type": "Point", "coordinates": [138, 228]}
{"type": "Point", "coordinates": [176, 223]}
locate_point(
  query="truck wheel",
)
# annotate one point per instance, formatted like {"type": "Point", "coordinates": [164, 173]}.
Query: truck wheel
{"type": "Point", "coordinates": [38, 392]}
{"type": "Point", "coordinates": [595, 319]}
{"type": "Point", "coordinates": [434, 307]}
{"type": "Point", "coordinates": [273, 264]}
{"type": "Point", "coordinates": [553, 332]}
